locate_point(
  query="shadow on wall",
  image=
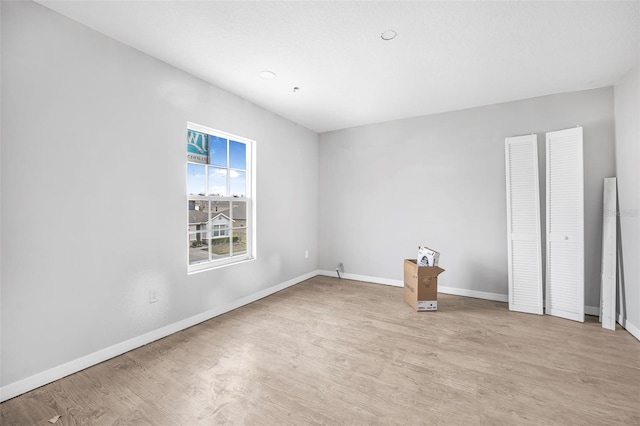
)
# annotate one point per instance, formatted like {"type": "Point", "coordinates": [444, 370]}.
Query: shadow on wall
{"type": "Point", "coordinates": [485, 272]}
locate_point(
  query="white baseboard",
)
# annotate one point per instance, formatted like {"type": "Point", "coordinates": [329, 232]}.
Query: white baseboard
{"type": "Point", "coordinates": [588, 310]}
{"type": "Point", "coordinates": [474, 293]}
{"type": "Point", "coordinates": [441, 289]}
{"type": "Point", "coordinates": [631, 328]}
{"type": "Point", "coordinates": [375, 280]}
{"type": "Point", "coordinates": [40, 379]}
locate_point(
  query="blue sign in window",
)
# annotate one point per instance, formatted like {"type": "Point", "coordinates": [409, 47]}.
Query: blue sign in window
{"type": "Point", "coordinates": [197, 147]}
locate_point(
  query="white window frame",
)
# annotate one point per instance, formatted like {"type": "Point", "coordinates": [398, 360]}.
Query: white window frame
{"type": "Point", "coordinates": [249, 199]}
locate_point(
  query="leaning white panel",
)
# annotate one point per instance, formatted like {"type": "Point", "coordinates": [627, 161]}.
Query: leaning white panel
{"type": "Point", "coordinates": [609, 258]}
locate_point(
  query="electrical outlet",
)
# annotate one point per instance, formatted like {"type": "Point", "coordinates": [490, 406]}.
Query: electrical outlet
{"type": "Point", "coordinates": [153, 295]}
{"type": "Point", "coordinates": [306, 254]}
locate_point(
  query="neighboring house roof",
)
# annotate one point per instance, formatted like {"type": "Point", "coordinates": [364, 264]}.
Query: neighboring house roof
{"type": "Point", "coordinates": [220, 214]}
{"type": "Point", "coordinates": [238, 213]}
{"type": "Point", "coordinates": [197, 217]}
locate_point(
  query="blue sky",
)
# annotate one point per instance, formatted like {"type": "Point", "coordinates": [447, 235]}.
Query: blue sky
{"type": "Point", "coordinates": [218, 153]}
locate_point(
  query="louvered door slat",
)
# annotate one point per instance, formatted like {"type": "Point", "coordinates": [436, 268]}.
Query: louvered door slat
{"type": "Point", "coordinates": [523, 224]}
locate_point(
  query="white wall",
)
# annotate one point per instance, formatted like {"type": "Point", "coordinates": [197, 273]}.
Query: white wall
{"type": "Point", "coordinates": [627, 127]}
{"type": "Point", "coordinates": [439, 180]}
{"type": "Point", "coordinates": [93, 193]}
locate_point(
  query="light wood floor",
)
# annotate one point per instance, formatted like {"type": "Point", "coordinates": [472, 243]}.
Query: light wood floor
{"type": "Point", "coordinates": [331, 351]}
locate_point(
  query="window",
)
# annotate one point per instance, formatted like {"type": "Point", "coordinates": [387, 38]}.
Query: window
{"type": "Point", "coordinates": [220, 198]}
{"type": "Point", "coordinates": [220, 230]}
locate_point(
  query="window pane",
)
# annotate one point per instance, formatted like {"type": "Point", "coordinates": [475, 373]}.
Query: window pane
{"type": "Point", "coordinates": [219, 221]}
{"type": "Point", "coordinates": [198, 216]}
{"type": "Point", "coordinates": [238, 183]}
{"type": "Point", "coordinates": [217, 151]}
{"type": "Point", "coordinates": [237, 155]}
{"type": "Point", "coordinates": [201, 206]}
{"type": "Point", "coordinates": [219, 208]}
{"type": "Point", "coordinates": [239, 214]}
{"type": "Point", "coordinates": [218, 182]}
{"type": "Point", "coordinates": [198, 248]}
{"type": "Point", "coordinates": [239, 241]}
{"type": "Point", "coordinates": [220, 247]}
{"type": "Point", "coordinates": [195, 179]}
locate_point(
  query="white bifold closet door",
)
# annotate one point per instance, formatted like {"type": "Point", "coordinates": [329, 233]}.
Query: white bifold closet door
{"type": "Point", "coordinates": [523, 224]}
{"type": "Point", "coordinates": [565, 225]}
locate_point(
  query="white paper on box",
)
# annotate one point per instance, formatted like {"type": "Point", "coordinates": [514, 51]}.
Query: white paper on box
{"type": "Point", "coordinates": [427, 256]}
{"type": "Point", "coordinates": [427, 305]}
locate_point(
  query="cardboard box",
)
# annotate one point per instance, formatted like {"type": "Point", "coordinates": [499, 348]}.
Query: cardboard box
{"type": "Point", "coordinates": [421, 285]}
{"type": "Point", "coordinates": [427, 256]}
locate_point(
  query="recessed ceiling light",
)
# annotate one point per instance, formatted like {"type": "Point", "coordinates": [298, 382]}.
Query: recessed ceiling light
{"type": "Point", "coordinates": [388, 35]}
{"type": "Point", "coordinates": [296, 89]}
{"type": "Point", "coordinates": [267, 75]}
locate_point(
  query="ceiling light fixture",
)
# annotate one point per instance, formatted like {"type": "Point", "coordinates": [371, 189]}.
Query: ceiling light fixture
{"type": "Point", "coordinates": [267, 75]}
{"type": "Point", "coordinates": [295, 89]}
{"type": "Point", "coordinates": [388, 35]}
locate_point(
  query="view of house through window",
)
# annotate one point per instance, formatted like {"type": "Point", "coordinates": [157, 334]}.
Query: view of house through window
{"type": "Point", "coordinates": [219, 195]}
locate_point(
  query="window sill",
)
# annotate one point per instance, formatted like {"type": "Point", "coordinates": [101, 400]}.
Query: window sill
{"type": "Point", "coordinates": [203, 267]}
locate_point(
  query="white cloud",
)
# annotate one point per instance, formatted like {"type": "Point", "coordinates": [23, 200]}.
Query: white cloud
{"type": "Point", "coordinates": [233, 174]}
{"type": "Point", "coordinates": [222, 190]}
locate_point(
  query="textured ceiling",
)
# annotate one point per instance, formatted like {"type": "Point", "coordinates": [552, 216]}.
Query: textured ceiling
{"type": "Point", "coordinates": [447, 55]}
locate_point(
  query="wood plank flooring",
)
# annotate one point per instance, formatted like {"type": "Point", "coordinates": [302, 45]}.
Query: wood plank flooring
{"type": "Point", "coordinates": [334, 352]}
